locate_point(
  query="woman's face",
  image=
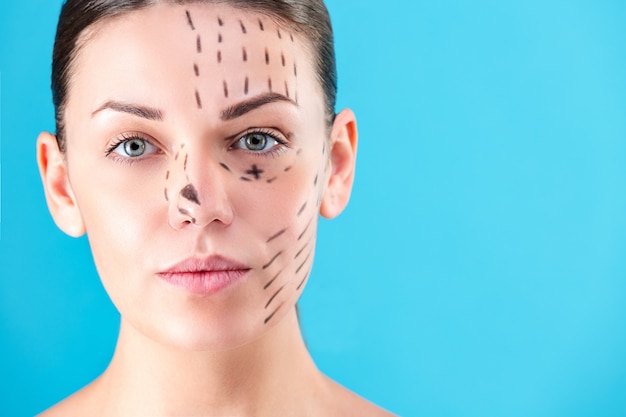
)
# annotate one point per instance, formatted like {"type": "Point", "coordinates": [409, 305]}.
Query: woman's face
{"type": "Point", "coordinates": [197, 155]}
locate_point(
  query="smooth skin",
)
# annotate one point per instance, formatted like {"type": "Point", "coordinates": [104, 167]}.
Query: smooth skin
{"type": "Point", "coordinates": [178, 353]}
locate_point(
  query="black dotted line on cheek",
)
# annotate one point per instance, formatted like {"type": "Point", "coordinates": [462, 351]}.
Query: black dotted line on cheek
{"type": "Point", "coordinates": [302, 209]}
{"type": "Point", "coordinates": [303, 281]}
{"type": "Point", "coordinates": [196, 70]}
{"type": "Point", "coordinates": [199, 44]}
{"type": "Point", "coordinates": [243, 28]}
{"type": "Point", "coordinates": [269, 84]}
{"type": "Point", "coordinates": [245, 54]}
{"type": "Point", "coordinates": [219, 57]}
{"type": "Point", "coordinates": [185, 163]}
{"type": "Point", "coordinates": [198, 100]}
{"type": "Point", "coordinates": [273, 314]}
{"type": "Point", "coordinates": [167, 198]}
{"type": "Point", "coordinates": [277, 235]}
{"type": "Point", "coordinates": [269, 284]}
{"type": "Point", "coordinates": [295, 70]}
{"type": "Point", "coordinates": [267, 56]}
{"type": "Point", "coordinates": [271, 180]}
{"type": "Point", "coordinates": [272, 260]}
{"type": "Point", "coordinates": [306, 228]}
{"type": "Point", "coordinates": [291, 37]}
{"type": "Point", "coordinates": [269, 302]}
{"type": "Point", "coordinates": [220, 21]}
{"type": "Point", "coordinates": [223, 165]}
{"type": "Point", "coordinates": [219, 38]}
{"type": "Point", "coordinates": [280, 36]}
{"type": "Point", "coordinates": [282, 58]}
{"type": "Point", "coordinates": [261, 25]}
{"type": "Point", "coordinates": [245, 86]}
{"type": "Point", "coordinates": [305, 261]}
{"type": "Point", "coordinates": [287, 89]}
{"type": "Point", "coordinates": [315, 180]}
{"type": "Point", "coordinates": [288, 168]}
{"type": "Point", "coordinates": [225, 89]}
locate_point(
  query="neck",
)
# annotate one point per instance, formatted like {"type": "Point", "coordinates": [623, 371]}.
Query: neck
{"type": "Point", "coordinates": [271, 376]}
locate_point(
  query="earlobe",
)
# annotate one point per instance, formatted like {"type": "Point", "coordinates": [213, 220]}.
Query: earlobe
{"type": "Point", "coordinates": [58, 191]}
{"type": "Point", "coordinates": [344, 138]}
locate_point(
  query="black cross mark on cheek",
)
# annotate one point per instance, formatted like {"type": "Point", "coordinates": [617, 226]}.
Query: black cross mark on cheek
{"type": "Point", "coordinates": [255, 172]}
{"type": "Point", "coordinates": [189, 193]}
{"type": "Point", "coordinates": [189, 20]}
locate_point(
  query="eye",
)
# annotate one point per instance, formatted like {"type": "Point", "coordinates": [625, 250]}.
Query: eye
{"type": "Point", "coordinates": [133, 147]}
{"type": "Point", "coordinates": [258, 142]}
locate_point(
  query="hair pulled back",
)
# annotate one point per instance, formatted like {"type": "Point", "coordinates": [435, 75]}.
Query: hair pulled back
{"type": "Point", "coordinates": [309, 18]}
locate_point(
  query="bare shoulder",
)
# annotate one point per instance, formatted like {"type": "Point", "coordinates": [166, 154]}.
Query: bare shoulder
{"type": "Point", "coordinates": [346, 403]}
{"type": "Point", "coordinates": [78, 404]}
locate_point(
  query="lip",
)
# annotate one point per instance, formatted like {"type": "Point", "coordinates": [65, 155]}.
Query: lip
{"type": "Point", "coordinates": [205, 276]}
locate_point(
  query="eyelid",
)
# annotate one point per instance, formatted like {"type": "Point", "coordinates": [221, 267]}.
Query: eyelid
{"type": "Point", "coordinates": [126, 136]}
{"type": "Point", "coordinates": [275, 133]}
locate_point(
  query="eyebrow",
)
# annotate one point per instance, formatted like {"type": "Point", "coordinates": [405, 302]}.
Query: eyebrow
{"type": "Point", "coordinates": [145, 112]}
{"type": "Point", "coordinates": [247, 106]}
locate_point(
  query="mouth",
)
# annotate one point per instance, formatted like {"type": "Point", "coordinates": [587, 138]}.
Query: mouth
{"type": "Point", "coordinates": [205, 276]}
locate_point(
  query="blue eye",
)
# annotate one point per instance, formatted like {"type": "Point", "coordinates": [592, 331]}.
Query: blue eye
{"type": "Point", "coordinates": [259, 142]}
{"type": "Point", "coordinates": [134, 147]}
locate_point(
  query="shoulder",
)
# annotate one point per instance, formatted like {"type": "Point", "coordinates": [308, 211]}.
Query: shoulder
{"type": "Point", "coordinates": [347, 403]}
{"type": "Point", "coordinates": [78, 404]}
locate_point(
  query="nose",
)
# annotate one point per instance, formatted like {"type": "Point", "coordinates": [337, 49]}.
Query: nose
{"type": "Point", "coordinates": [199, 196]}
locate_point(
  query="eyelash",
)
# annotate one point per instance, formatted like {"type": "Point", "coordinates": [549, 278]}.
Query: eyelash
{"type": "Point", "coordinates": [125, 137]}
{"type": "Point", "coordinates": [274, 152]}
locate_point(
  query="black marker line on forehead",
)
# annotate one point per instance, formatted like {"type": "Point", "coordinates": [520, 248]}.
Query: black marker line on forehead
{"type": "Point", "coordinates": [189, 20]}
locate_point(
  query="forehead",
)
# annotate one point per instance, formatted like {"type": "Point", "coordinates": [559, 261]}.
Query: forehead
{"type": "Point", "coordinates": [200, 54]}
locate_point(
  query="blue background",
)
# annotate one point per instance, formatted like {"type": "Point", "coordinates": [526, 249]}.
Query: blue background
{"type": "Point", "coordinates": [480, 268]}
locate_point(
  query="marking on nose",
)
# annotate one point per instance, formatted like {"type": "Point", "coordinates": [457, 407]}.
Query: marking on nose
{"type": "Point", "coordinates": [190, 193]}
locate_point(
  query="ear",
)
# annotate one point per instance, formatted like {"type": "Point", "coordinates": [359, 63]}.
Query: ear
{"type": "Point", "coordinates": [56, 184]}
{"type": "Point", "coordinates": [343, 138]}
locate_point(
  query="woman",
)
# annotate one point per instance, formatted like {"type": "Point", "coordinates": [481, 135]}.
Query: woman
{"type": "Point", "coordinates": [196, 144]}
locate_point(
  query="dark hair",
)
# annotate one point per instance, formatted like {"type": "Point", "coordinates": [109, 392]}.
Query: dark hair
{"type": "Point", "coordinates": [307, 17]}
